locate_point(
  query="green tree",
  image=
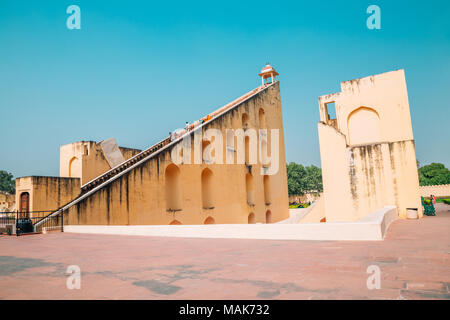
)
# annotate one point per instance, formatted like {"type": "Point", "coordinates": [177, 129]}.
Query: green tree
{"type": "Point", "coordinates": [434, 174]}
{"type": "Point", "coordinates": [296, 175]}
{"type": "Point", "coordinates": [7, 182]}
{"type": "Point", "coordinates": [303, 179]}
{"type": "Point", "coordinates": [313, 179]}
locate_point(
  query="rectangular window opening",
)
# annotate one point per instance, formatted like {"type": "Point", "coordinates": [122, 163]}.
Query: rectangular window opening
{"type": "Point", "coordinates": [331, 110]}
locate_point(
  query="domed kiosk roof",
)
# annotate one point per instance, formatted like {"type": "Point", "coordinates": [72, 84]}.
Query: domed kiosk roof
{"type": "Point", "coordinates": [267, 70]}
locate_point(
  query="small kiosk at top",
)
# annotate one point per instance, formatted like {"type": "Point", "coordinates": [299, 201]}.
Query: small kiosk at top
{"type": "Point", "coordinates": [268, 72]}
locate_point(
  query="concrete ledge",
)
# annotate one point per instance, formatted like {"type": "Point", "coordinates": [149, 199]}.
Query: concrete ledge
{"type": "Point", "coordinates": [373, 227]}
{"type": "Point", "coordinates": [51, 229]}
{"type": "Point", "coordinates": [384, 217]}
{"type": "Point", "coordinates": [295, 215]}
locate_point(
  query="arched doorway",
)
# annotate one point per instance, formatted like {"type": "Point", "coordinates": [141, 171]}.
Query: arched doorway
{"type": "Point", "coordinates": [251, 218]}
{"type": "Point", "coordinates": [24, 202]}
{"type": "Point", "coordinates": [175, 223]}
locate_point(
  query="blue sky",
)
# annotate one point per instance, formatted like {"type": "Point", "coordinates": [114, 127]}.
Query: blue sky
{"type": "Point", "coordinates": [138, 69]}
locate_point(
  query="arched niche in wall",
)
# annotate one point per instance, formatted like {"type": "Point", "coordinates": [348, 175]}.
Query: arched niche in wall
{"type": "Point", "coordinates": [249, 188]}
{"type": "Point", "coordinates": [207, 153]}
{"type": "Point", "coordinates": [209, 220]}
{"type": "Point", "coordinates": [267, 190]}
{"type": "Point", "coordinates": [268, 216]}
{"type": "Point", "coordinates": [247, 149]}
{"type": "Point", "coordinates": [251, 218]}
{"type": "Point", "coordinates": [173, 188]}
{"type": "Point", "coordinates": [363, 126]}
{"type": "Point", "coordinates": [262, 118]}
{"type": "Point", "coordinates": [175, 222]}
{"type": "Point", "coordinates": [207, 189]}
{"type": "Point", "coordinates": [74, 168]}
{"type": "Point", "coordinates": [244, 120]}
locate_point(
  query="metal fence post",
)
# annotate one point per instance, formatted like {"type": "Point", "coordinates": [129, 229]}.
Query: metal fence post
{"type": "Point", "coordinates": [62, 221]}
{"type": "Point", "coordinates": [17, 220]}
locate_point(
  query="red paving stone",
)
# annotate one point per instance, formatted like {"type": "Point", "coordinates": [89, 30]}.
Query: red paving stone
{"type": "Point", "coordinates": [414, 263]}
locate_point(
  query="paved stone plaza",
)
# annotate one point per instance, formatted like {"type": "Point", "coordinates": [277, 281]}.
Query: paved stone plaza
{"type": "Point", "coordinates": [414, 262]}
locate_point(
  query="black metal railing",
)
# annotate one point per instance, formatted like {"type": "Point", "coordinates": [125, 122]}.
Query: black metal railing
{"type": "Point", "coordinates": [22, 222]}
{"type": "Point", "coordinates": [7, 220]}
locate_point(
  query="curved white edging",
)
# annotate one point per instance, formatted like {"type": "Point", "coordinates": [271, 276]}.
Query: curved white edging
{"type": "Point", "coordinates": [372, 227]}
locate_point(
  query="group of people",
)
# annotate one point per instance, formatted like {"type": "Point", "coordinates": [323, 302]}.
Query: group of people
{"type": "Point", "coordinates": [429, 209]}
{"type": "Point", "coordinates": [433, 199]}
{"type": "Point", "coordinates": [188, 127]}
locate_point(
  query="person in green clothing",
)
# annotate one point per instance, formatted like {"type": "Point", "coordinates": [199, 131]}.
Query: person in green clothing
{"type": "Point", "coordinates": [428, 208]}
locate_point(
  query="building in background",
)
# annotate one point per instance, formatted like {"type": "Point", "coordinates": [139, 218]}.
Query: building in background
{"type": "Point", "coordinates": [88, 159]}
{"type": "Point", "coordinates": [7, 202]}
{"type": "Point", "coordinates": [79, 162]}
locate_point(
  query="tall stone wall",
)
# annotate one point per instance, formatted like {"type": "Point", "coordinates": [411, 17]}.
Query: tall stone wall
{"type": "Point", "coordinates": [307, 197]}
{"type": "Point", "coordinates": [440, 191]}
{"type": "Point", "coordinates": [384, 174]}
{"type": "Point", "coordinates": [139, 196]}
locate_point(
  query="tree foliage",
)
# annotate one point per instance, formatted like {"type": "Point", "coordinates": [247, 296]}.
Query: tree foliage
{"type": "Point", "coordinates": [7, 182]}
{"type": "Point", "coordinates": [303, 180]}
{"type": "Point", "coordinates": [434, 174]}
